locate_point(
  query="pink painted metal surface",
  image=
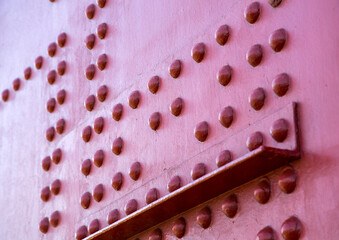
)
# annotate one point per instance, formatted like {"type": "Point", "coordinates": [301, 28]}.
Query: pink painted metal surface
{"type": "Point", "coordinates": [167, 126]}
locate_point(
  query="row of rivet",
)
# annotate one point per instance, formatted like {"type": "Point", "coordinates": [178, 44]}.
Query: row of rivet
{"type": "Point", "coordinates": [59, 128]}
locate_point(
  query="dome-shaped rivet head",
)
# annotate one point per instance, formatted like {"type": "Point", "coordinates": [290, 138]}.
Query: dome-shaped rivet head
{"type": "Point", "coordinates": [102, 61]}
{"type": "Point", "coordinates": [90, 41]}
{"type": "Point", "coordinates": [61, 68]}
{"type": "Point", "coordinates": [131, 206]}
{"type": "Point", "coordinates": [61, 95]}
{"type": "Point", "coordinates": [90, 11]}
{"type": "Point", "coordinates": [56, 186]}
{"type": "Point", "coordinates": [101, 3]}
{"type": "Point", "coordinates": [277, 39]}
{"type": "Point", "coordinates": [198, 52]}
{"type": "Point", "coordinates": [153, 84]}
{"type": "Point", "coordinates": [174, 184]}
{"type": "Point", "coordinates": [201, 131]}
{"type": "Point", "coordinates": [45, 194]}
{"type": "Point", "coordinates": [98, 158]}
{"type": "Point", "coordinates": [198, 171]}
{"type": "Point", "coordinates": [291, 228]}
{"type": "Point", "coordinates": [257, 99]}
{"type": "Point", "coordinates": [204, 217]}
{"type": "Point", "coordinates": [86, 133]}
{"type": "Point", "coordinates": [38, 62]}
{"type": "Point", "coordinates": [94, 226]}
{"type": "Point", "coordinates": [56, 156]}
{"type": "Point", "coordinates": [222, 34]}
{"type": "Point", "coordinates": [155, 234]}
{"type": "Point", "coordinates": [280, 84]}
{"type": "Point", "coordinates": [113, 216]}
{"type": "Point", "coordinates": [279, 130]}
{"type": "Point", "coordinates": [86, 167]}
{"type": "Point", "coordinates": [135, 170]}
{"type": "Point", "coordinates": [52, 49]}
{"type": "Point", "coordinates": [230, 206]}
{"type": "Point", "coordinates": [223, 158]}
{"type": "Point", "coordinates": [226, 116]}
{"type": "Point", "coordinates": [101, 30]}
{"type": "Point", "coordinates": [134, 99]}
{"type": "Point", "coordinates": [28, 73]}
{"type": "Point", "coordinates": [98, 125]}
{"type": "Point", "coordinates": [90, 102]}
{"type": "Point", "coordinates": [262, 192]}
{"type": "Point", "coordinates": [90, 71]}
{"type": "Point", "coordinates": [51, 77]}
{"type": "Point", "coordinates": [98, 192]}
{"type": "Point", "coordinates": [152, 195]}
{"type": "Point", "coordinates": [266, 233]}
{"type": "Point", "coordinates": [274, 3]}
{"type": "Point", "coordinates": [62, 38]}
{"type": "Point", "coordinates": [102, 93]}
{"type": "Point", "coordinates": [54, 218]}
{"type": "Point", "coordinates": [117, 181]}
{"type": "Point", "coordinates": [117, 146]}
{"type": "Point", "coordinates": [44, 225]}
{"type": "Point", "coordinates": [60, 126]}
{"type": "Point", "coordinates": [46, 163]}
{"type": "Point", "coordinates": [288, 180]}
{"type": "Point", "coordinates": [5, 95]}
{"type": "Point", "coordinates": [252, 12]}
{"type": "Point", "coordinates": [154, 120]}
{"type": "Point", "coordinates": [254, 55]}
{"type": "Point", "coordinates": [50, 106]}
{"type": "Point", "coordinates": [224, 75]}
{"type": "Point", "coordinates": [85, 200]}
{"type": "Point", "coordinates": [117, 111]}
{"type": "Point", "coordinates": [254, 141]}
{"type": "Point", "coordinates": [176, 106]}
{"type": "Point", "coordinates": [81, 233]}
{"type": "Point", "coordinates": [179, 227]}
{"type": "Point", "coordinates": [50, 133]}
{"type": "Point", "coordinates": [175, 68]}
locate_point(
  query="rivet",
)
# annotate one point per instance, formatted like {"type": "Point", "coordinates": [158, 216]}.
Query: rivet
{"type": "Point", "coordinates": [174, 184]}
{"type": "Point", "coordinates": [255, 140]}
{"type": "Point", "coordinates": [102, 93]}
{"type": "Point", "coordinates": [101, 3]}
{"type": "Point", "coordinates": [55, 186]}
{"type": "Point", "coordinates": [56, 156]}
{"type": "Point", "coordinates": [223, 158]}
{"type": "Point", "coordinates": [222, 34]}
{"type": "Point", "coordinates": [28, 73]}
{"type": "Point", "coordinates": [135, 170]}
{"type": "Point", "coordinates": [98, 125]}
{"type": "Point", "coordinates": [179, 227]}
{"type": "Point", "coordinates": [134, 99]}
{"type": "Point", "coordinates": [274, 3]}
{"type": "Point", "coordinates": [117, 146]}
{"type": "Point", "coordinates": [291, 228]}
{"type": "Point", "coordinates": [46, 163]}
{"type": "Point", "coordinates": [51, 76]}
{"type": "Point", "coordinates": [288, 180]}
{"type": "Point", "coordinates": [252, 12]}
{"type": "Point", "coordinates": [87, 133]}
{"type": "Point", "coordinates": [117, 111]}
{"type": "Point", "coordinates": [62, 38]}
{"type": "Point", "coordinates": [131, 206]}
{"type": "Point", "coordinates": [155, 234]}
{"type": "Point", "coordinates": [90, 41]}
{"type": "Point", "coordinates": [50, 133]}
{"type": "Point", "coordinates": [90, 102]}
{"type": "Point", "coordinates": [98, 192]}
{"type": "Point", "coordinates": [204, 217]}
{"type": "Point", "coordinates": [45, 194]}
{"type": "Point", "coordinates": [60, 126]}
{"type": "Point", "coordinates": [262, 192]}
{"type": "Point", "coordinates": [86, 167]}
{"type": "Point", "coordinates": [175, 68]}
{"type": "Point", "coordinates": [101, 30]}
{"type": "Point", "coordinates": [16, 84]}
{"type": "Point", "coordinates": [224, 75]}
{"type": "Point", "coordinates": [44, 225]}
{"type": "Point", "coordinates": [254, 55]}
{"type": "Point", "coordinates": [61, 95]}
{"type": "Point", "coordinates": [154, 120]}
{"type": "Point", "coordinates": [113, 216]}
{"type": "Point", "coordinates": [52, 49]}
{"type": "Point", "coordinates": [257, 99]}
{"type": "Point", "coordinates": [230, 206]}
{"type": "Point", "coordinates": [94, 226]}
{"type": "Point", "coordinates": [198, 171]}
{"type": "Point", "coordinates": [226, 116]}
{"type": "Point", "coordinates": [277, 39]}
{"type": "Point", "coordinates": [38, 62]}
{"type": "Point", "coordinates": [266, 233]}
{"type": "Point", "coordinates": [50, 106]}
{"type": "Point", "coordinates": [280, 84]}
{"type": "Point", "coordinates": [201, 131]}
{"type": "Point", "coordinates": [117, 181]}
{"type": "Point", "coordinates": [153, 84]}
{"type": "Point", "coordinates": [102, 61]}
{"type": "Point", "coordinates": [5, 95]}
{"type": "Point", "coordinates": [85, 200]}
{"type": "Point", "coordinates": [90, 71]}
{"type": "Point", "coordinates": [98, 158]}
{"type": "Point", "coordinates": [176, 106]}
{"type": "Point", "coordinates": [279, 130]}
{"type": "Point", "coordinates": [90, 11]}
{"type": "Point", "coordinates": [152, 195]}
{"type": "Point", "coordinates": [61, 68]}
{"type": "Point", "coordinates": [81, 233]}
{"type": "Point", "coordinates": [54, 218]}
{"type": "Point", "coordinates": [198, 52]}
